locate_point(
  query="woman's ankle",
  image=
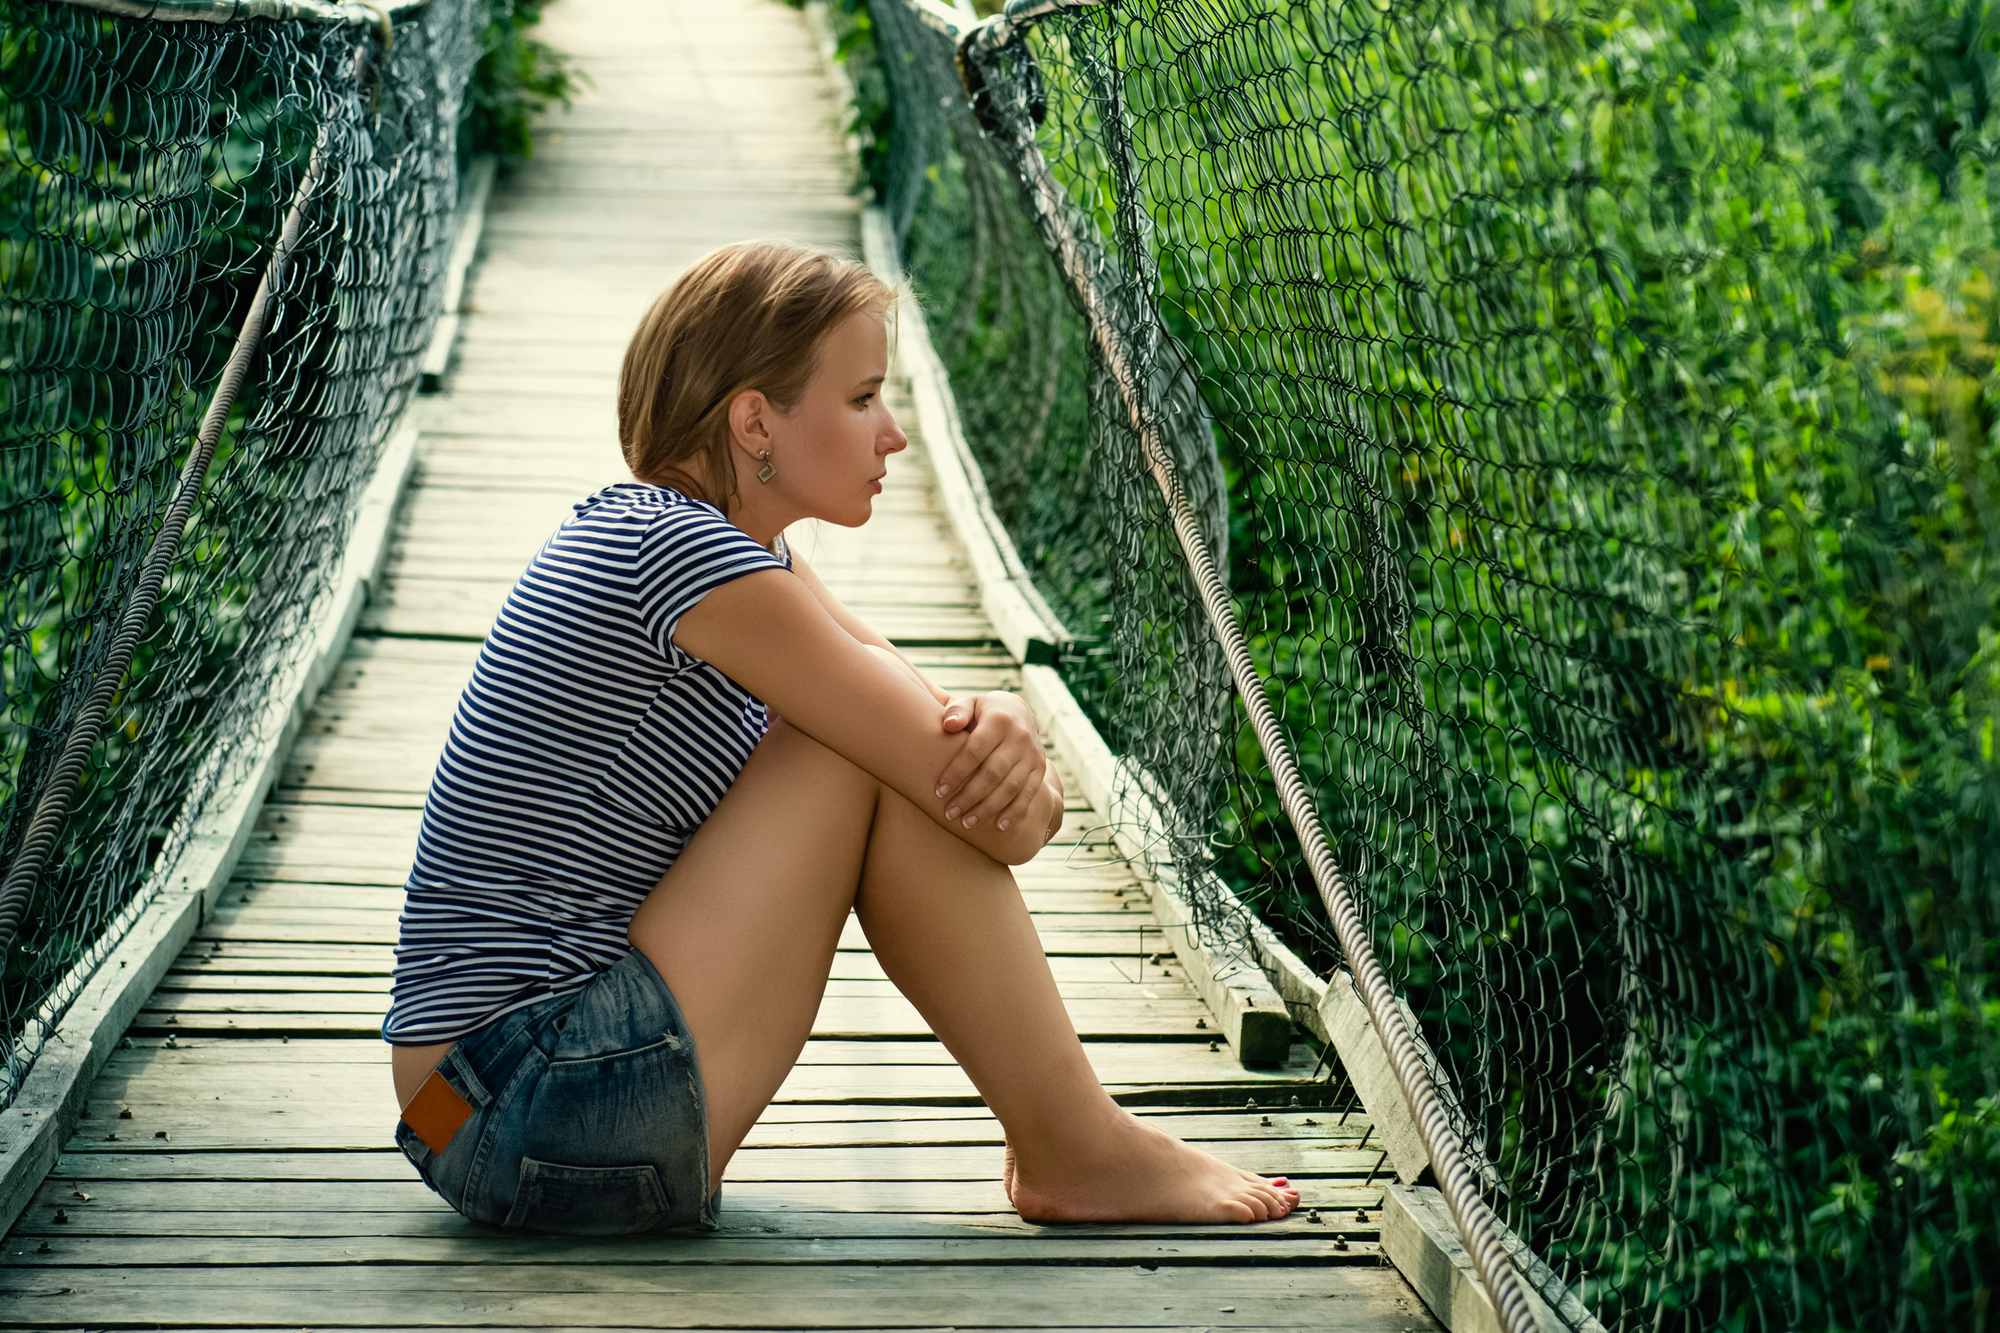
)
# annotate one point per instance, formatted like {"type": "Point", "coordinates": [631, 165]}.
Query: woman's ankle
{"type": "Point", "coordinates": [1074, 1139]}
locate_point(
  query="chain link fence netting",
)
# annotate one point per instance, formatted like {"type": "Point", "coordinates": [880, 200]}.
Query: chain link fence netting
{"type": "Point", "coordinates": [145, 167]}
{"type": "Point", "coordinates": [1606, 402]}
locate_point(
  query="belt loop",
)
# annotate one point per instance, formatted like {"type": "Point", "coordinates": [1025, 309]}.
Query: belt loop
{"type": "Point", "coordinates": [460, 1076]}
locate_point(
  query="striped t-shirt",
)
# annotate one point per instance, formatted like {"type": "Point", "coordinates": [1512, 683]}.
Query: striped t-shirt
{"type": "Point", "coordinates": [586, 751]}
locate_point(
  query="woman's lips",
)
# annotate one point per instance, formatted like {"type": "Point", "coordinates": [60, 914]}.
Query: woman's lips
{"type": "Point", "coordinates": [875, 485]}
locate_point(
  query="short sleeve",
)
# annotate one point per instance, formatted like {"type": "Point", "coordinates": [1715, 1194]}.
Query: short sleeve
{"type": "Point", "coordinates": [689, 551]}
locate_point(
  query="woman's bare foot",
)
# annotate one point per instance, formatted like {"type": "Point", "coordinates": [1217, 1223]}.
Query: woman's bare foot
{"type": "Point", "coordinates": [1007, 1173]}
{"type": "Point", "coordinates": [1145, 1175]}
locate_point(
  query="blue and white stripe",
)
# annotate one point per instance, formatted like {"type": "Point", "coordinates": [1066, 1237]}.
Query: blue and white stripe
{"type": "Point", "coordinates": [584, 754]}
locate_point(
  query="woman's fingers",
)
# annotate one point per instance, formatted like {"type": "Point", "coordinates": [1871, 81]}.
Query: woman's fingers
{"type": "Point", "coordinates": [958, 715]}
{"type": "Point", "coordinates": [977, 745]}
{"type": "Point", "coordinates": [1015, 774]}
{"type": "Point", "coordinates": [1000, 796]}
{"type": "Point", "coordinates": [997, 767]}
{"type": "Point", "coordinates": [973, 798]}
{"type": "Point", "coordinates": [1017, 809]}
{"type": "Point", "coordinates": [986, 729]}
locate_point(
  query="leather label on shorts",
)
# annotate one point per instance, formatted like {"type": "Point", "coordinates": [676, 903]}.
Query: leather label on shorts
{"type": "Point", "coordinates": [436, 1112]}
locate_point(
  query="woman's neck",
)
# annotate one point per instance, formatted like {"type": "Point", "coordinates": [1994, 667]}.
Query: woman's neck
{"type": "Point", "coordinates": [755, 516]}
{"type": "Point", "coordinates": [763, 528]}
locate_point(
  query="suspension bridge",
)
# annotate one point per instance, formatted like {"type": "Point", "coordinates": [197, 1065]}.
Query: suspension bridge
{"type": "Point", "coordinates": [1492, 506]}
{"type": "Point", "coordinates": [232, 1165]}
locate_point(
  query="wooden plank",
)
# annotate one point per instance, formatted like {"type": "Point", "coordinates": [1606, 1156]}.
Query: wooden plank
{"type": "Point", "coordinates": [332, 960]}
{"type": "Point", "coordinates": [307, 1127]}
{"type": "Point", "coordinates": [319, 828]}
{"type": "Point", "coordinates": [248, 1062]}
{"type": "Point", "coordinates": [635, 1295]}
{"type": "Point", "coordinates": [854, 1085]}
{"type": "Point", "coordinates": [1134, 942]}
{"type": "Point", "coordinates": [254, 1251]}
{"type": "Point", "coordinates": [341, 907]}
{"type": "Point", "coordinates": [367, 1124]}
{"type": "Point", "coordinates": [465, 608]}
{"type": "Point", "coordinates": [839, 1017]}
{"type": "Point", "coordinates": [192, 980]}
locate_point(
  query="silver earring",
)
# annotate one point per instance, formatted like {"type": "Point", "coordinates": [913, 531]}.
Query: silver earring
{"type": "Point", "coordinates": [766, 472]}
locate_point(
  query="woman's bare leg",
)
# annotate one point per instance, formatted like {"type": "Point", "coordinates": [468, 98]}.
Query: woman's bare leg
{"type": "Point", "coordinates": [951, 930]}
{"type": "Point", "coordinates": [744, 927]}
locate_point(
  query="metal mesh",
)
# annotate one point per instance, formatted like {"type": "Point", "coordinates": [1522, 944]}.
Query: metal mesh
{"type": "Point", "coordinates": [999, 316]}
{"type": "Point", "coordinates": [144, 169]}
{"type": "Point", "coordinates": [1606, 404]}
{"type": "Point", "coordinates": [1049, 429]}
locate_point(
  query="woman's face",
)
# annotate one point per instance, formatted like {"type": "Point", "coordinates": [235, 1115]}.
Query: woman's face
{"type": "Point", "coordinates": [831, 450]}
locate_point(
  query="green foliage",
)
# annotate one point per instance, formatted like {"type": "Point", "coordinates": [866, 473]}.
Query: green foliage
{"type": "Point", "coordinates": [518, 77]}
{"type": "Point", "coordinates": [1609, 404]}
{"type": "Point", "coordinates": [872, 117]}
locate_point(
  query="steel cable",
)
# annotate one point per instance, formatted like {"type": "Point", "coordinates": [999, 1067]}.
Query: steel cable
{"type": "Point", "coordinates": [1081, 262]}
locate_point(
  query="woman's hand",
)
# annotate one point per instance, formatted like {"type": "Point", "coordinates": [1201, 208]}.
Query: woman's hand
{"type": "Point", "coordinates": [768, 633]}
{"type": "Point", "coordinates": [1000, 765]}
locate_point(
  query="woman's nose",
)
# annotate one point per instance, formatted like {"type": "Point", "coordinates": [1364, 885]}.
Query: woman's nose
{"type": "Point", "coordinates": [897, 441]}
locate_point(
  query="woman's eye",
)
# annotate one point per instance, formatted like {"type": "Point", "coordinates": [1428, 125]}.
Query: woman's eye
{"type": "Point", "coordinates": [864, 400]}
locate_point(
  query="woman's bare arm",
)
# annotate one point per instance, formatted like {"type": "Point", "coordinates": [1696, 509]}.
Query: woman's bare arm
{"type": "Point", "coordinates": [768, 633]}
{"type": "Point", "coordinates": [979, 773]}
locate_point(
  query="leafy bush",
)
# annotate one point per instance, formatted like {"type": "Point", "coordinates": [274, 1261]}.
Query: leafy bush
{"type": "Point", "coordinates": [517, 78]}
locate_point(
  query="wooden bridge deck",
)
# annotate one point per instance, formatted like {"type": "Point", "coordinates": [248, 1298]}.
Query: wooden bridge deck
{"type": "Point", "coordinates": [238, 1170]}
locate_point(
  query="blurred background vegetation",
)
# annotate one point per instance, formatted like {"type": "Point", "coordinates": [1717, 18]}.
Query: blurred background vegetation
{"type": "Point", "coordinates": [517, 78]}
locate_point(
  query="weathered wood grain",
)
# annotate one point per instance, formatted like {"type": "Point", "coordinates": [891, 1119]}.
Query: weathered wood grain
{"type": "Point", "coordinates": [854, 1197]}
{"type": "Point", "coordinates": [274, 1251]}
{"type": "Point", "coordinates": [653, 1296]}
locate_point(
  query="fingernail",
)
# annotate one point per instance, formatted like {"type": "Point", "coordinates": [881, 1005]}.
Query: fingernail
{"type": "Point", "coordinates": [1005, 822]}
{"type": "Point", "coordinates": [942, 790]}
{"type": "Point", "coordinates": [970, 820]}
{"type": "Point", "coordinates": [953, 814]}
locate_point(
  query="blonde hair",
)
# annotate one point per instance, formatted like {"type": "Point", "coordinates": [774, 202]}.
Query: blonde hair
{"type": "Point", "coordinates": [747, 316]}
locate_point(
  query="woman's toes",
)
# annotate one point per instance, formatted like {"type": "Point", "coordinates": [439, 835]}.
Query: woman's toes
{"type": "Point", "coordinates": [1276, 1203]}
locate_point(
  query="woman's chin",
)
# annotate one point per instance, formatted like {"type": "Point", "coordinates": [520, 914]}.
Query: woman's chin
{"type": "Point", "coordinates": [853, 516]}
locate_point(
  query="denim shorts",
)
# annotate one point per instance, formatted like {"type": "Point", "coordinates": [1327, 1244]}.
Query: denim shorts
{"type": "Point", "coordinates": [587, 1115]}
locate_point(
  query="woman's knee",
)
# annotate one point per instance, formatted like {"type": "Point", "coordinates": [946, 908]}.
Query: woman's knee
{"type": "Point", "coordinates": [903, 830]}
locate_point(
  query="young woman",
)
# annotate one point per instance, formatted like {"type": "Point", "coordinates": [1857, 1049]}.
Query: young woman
{"type": "Point", "coordinates": [679, 763]}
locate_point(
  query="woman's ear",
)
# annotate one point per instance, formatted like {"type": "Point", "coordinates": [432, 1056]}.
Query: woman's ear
{"type": "Point", "coordinates": [750, 422]}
